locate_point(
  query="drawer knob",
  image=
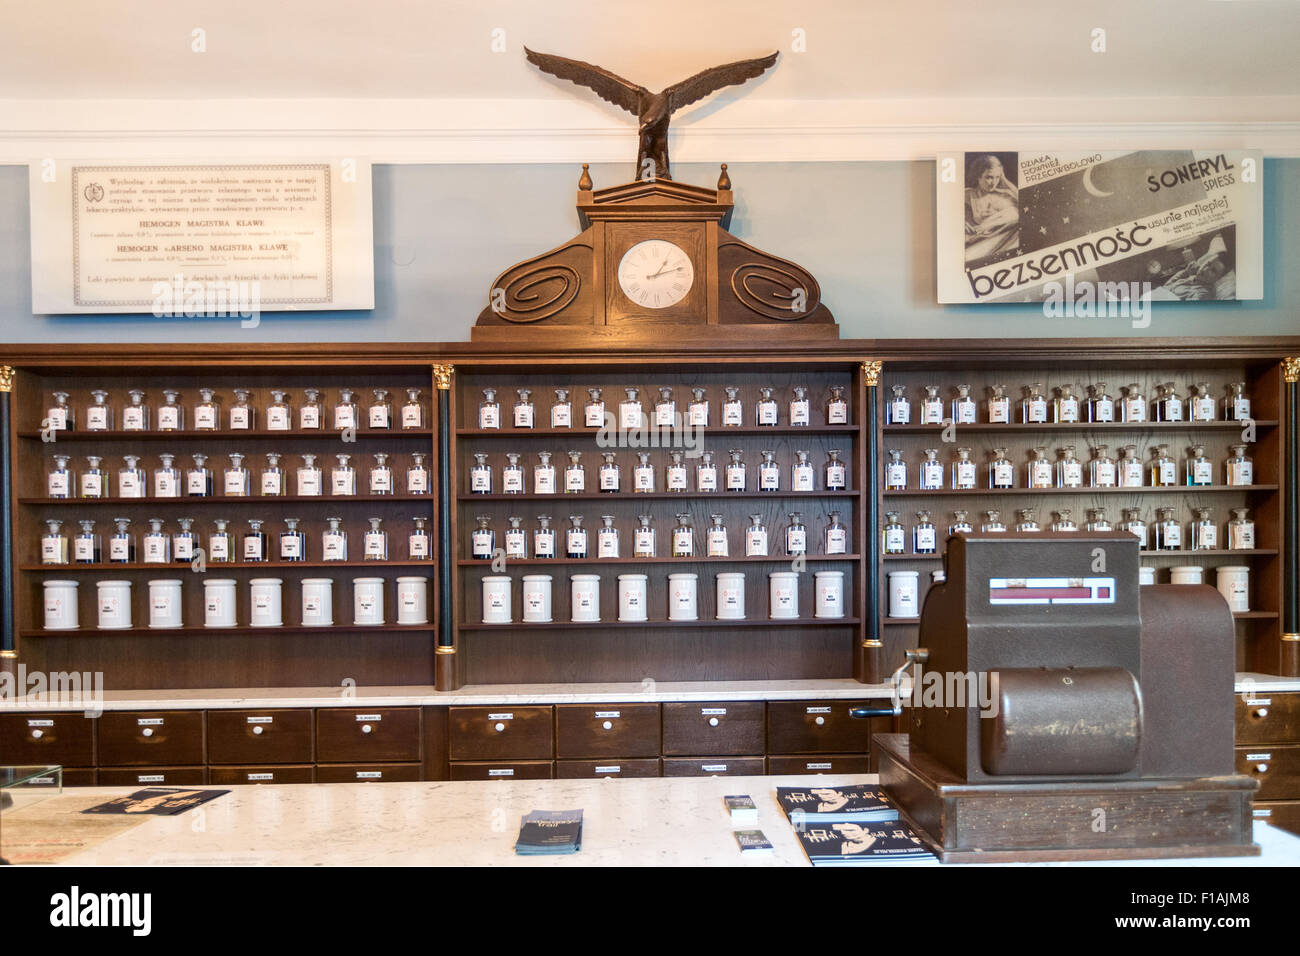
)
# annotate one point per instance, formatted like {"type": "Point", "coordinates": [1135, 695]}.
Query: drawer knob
{"type": "Point", "coordinates": [500, 726]}
{"type": "Point", "coordinates": [1261, 768]}
{"type": "Point", "coordinates": [366, 728]}
{"type": "Point", "coordinates": [608, 725]}
{"type": "Point", "coordinates": [820, 721]}
{"type": "Point", "coordinates": [257, 730]}
{"type": "Point", "coordinates": [147, 732]}
{"type": "Point", "coordinates": [713, 721]}
{"type": "Point", "coordinates": [1261, 712]}
{"type": "Point", "coordinates": [37, 734]}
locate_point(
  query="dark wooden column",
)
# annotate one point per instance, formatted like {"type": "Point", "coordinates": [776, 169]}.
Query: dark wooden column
{"type": "Point", "coordinates": [1289, 653]}
{"type": "Point", "coordinates": [872, 648]}
{"type": "Point", "coordinates": [8, 651]}
{"type": "Point", "coordinates": [444, 662]}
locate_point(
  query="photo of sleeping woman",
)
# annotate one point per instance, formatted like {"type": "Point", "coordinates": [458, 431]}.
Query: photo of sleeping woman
{"type": "Point", "coordinates": [992, 208]}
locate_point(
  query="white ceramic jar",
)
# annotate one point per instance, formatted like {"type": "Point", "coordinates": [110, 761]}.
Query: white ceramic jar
{"type": "Point", "coordinates": [829, 587]}
{"type": "Point", "coordinates": [584, 598]}
{"type": "Point", "coordinates": [731, 596]}
{"type": "Point", "coordinates": [61, 606]}
{"type": "Point", "coordinates": [165, 603]}
{"type": "Point", "coordinates": [317, 602]}
{"type": "Point", "coordinates": [413, 600]}
{"type": "Point", "coordinates": [367, 600]}
{"type": "Point", "coordinates": [903, 596]}
{"type": "Point", "coordinates": [683, 597]}
{"type": "Point", "coordinates": [1146, 574]}
{"type": "Point", "coordinates": [783, 595]}
{"type": "Point", "coordinates": [1186, 574]}
{"type": "Point", "coordinates": [537, 598]}
{"type": "Point", "coordinates": [496, 600]}
{"type": "Point", "coordinates": [219, 602]}
{"type": "Point", "coordinates": [114, 605]}
{"type": "Point", "coordinates": [266, 602]}
{"type": "Point", "coordinates": [1233, 582]}
{"type": "Point", "coordinates": [632, 597]}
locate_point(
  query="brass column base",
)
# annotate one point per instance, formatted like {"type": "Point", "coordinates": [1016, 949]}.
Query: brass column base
{"type": "Point", "coordinates": [444, 668]}
{"type": "Point", "coordinates": [1289, 656]}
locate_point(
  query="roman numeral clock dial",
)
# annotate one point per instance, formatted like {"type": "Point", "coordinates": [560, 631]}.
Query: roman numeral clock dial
{"type": "Point", "coordinates": [656, 274]}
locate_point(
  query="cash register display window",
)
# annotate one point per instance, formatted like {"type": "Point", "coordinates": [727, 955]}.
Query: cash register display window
{"type": "Point", "coordinates": [1051, 590]}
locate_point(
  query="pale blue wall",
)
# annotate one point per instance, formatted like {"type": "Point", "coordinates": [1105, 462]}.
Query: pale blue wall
{"type": "Point", "coordinates": [866, 230]}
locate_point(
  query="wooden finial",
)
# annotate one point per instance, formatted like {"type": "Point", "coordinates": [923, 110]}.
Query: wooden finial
{"type": "Point", "coordinates": [584, 182]}
{"type": "Point", "coordinates": [724, 181]}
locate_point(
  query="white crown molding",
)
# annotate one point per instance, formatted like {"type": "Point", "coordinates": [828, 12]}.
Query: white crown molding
{"type": "Point", "coordinates": [556, 130]}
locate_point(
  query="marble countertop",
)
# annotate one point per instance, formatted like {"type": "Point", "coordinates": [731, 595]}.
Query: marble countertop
{"type": "Point", "coordinates": [642, 822]}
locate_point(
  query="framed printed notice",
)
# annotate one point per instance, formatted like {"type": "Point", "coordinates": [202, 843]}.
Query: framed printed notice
{"type": "Point", "coordinates": [201, 239]}
{"type": "Point", "coordinates": [1164, 225]}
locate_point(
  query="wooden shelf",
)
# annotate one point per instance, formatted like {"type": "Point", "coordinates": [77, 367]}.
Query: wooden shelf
{"type": "Point", "coordinates": [226, 500]}
{"type": "Point", "coordinates": [214, 566]}
{"type": "Point", "coordinates": [1145, 489]}
{"type": "Point", "coordinates": [1205, 552]}
{"type": "Point", "coordinates": [585, 432]}
{"type": "Point", "coordinates": [362, 434]}
{"type": "Point", "coordinates": [709, 624]}
{"type": "Point", "coordinates": [547, 562]}
{"type": "Point", "coordinates": [986, 428]}
{"type": "Point", "coordinates": [662, 496]}
{"type": "Point", "coordinates": [241, 629]}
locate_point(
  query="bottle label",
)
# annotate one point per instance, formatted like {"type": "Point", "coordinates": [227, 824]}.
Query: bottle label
{"type": "Point", "coordinates": [1003, 475]}
{"type": "Point", "coordinates": [1241, 473]}
{"type": "Point", "coordinates": [524, 416]}
{"type": "Point", "coordinates": [332, 546]}
{"type": "Point", "coordinates": [900, 412]}
{"type": "Point", "coordinates": [837, 541]}
{"type": "Point", "coordinates": [1069, 410]}
{"type": "Point", "coordinates": [308, 417]}
{"type": "Point", "coordinates": [235, 482]}
{"type": "Point", "coordinates": [1241, 408]}
{"type": "Point", "coordinates": [164, 485]}
{"type": "Point", "coordinates": [1104, 474]}
{"type": "Point", "coordinates": [133, 419]}
{"type": "Point", "coordinates": [1000, 411]}
{"type": "Point", "coordinates": [767, 413]}
{"type": "Point", "coordinates": [665, 413]}
{"type": "Point", "coordinates": [1173, 409]}
{"type": "Point", "coordinates": [381, 480]}
{"type": "Point", "coordinates": [575, 543]}
{"type": "Point", "coordinates": [1140, 530]}
{"type": "Point", "coordinates": [1207, 536]}
{"type": "Point", "coordinates": [482, 543]}
{"type": "Point", "coordinates": [643, 478]}
{"type": "Point", "coordinates": [896, 475]}
{"type": "Point", "coordinates": [755, 543]}
{"type": "Point", "coordinates": [378, 416]}
{"type": "Point", "coordinates": [931, 475]}
{"type": "Point", "coordinates": [1130, 473]}
{"type": "Point", "coordinates": [717, 543]}
{"type": "Point", "coordinates": [1203, 409]}
{"type": "Point", "coordinates": [412, 416]}
{"type": "Point", "coordinates": [119, 549]}
{"type": "Point", "coordinates": [965, 412]}
{"type": "Point", "coordinates": [1135, 410]}
{"type": "Point", "coordinates": [799, 412]}
{"type": "Point", "coordinates": [489, 416]}
{"type": "Point", "coordinates": [374, 544]}
{"type": "Point", "coordinates": [698, 413]}
{"type": "Point", "coordinates": [769, 477]}
{"type": "Point", "coordinates": [340, 482]}
{"type": "Point", "coordinates": [544, 544]}
{"type": "Point", "coordinates": [1171, 535]}
{"type": "Point", "coordinates": [196, 483]}
{"type": "Point", "coordinates": [677, 478]}
{"type": "Point", "coordinates": [837, 477]}
{"type": "Point", "coordinates": [575, 479]}
{"type": "Point", "coordinates": [1168, 473]}
{"type": "Point", "coordinates": [932, 411]}
{"type": "Point", "coordinates": [51, 550]}
{"type": "Point", "coordinates": [271, 483]}
{"type": "Point", "coordinates": [629, 415]}
{"type": "Point", "coordinates": [609, 479]}
{"type": "Point", "coordinates": [802, 478]}
{"type": "Point", "coordinates": [219, 547]}
{"type": "Point", "coordinates": [644, 542]}
{"type": "Point", "coordinates": [155, 548]}
{"type": "Point", "coordinates": [926, 539]}
{"type": "Point", "coordinates": [965, 474]}
{"type": "Point", "coordinates": [309, 482]}
{"type": "Point", "coordinates": [290, 546]}
{"type": "Point", "coordinates": [732, 414]}
{"type": "Point", "coordinates": [1103, 411]}
{"type": "Point", "coordinates": [182, 547]}
{"type": "Point", "coordinates": [1072, 474]}
{"type": "Point", "coordinates": [735, 477]}
{"type": "Point", "coordinates": [544, 481]}
{"type": "Point", "coordinates": [169, 418]}
{"type": "Point", "coordinates": [1036, 410]}
{"type": "Point", "coordinates": [83, 549]}
{"type": "Point", "coordinates": [345, 416]}
{"type": "Point", "coordinates": [417, 545]}
{"type": "Point", "coordinates": [607, 543]}
{"type": "Point", "coordinates": [1040, 474]}
{"type": "Point", "coordinates": [58, 485]}
{"type": "Point", "coordinates": [205, 416]}
{"type": "Point", "coordinates": [594, 414]}
{"type": "Point", "coordinates": [706, 479]}
{"type": "Point", "coordinates": [252, 548]}
{"type": "Point", "coordinates": [514, 545]}
{"type": "Point", "coordinates": [1241, 536]}
{"type": "Point", "coordinates": [837, 413]}
{"type": "Point", "coordinates": [796, 540]}
{"type": "Point", "coordinates": [683, 541]}
{"type": "Point", "coordinates": [417, 481]}
{"type": "Point", "coordinates": [1203, 473]}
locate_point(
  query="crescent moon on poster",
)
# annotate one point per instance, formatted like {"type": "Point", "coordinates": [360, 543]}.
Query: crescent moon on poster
{"type": "Point", "coordinates": [1091, 189]}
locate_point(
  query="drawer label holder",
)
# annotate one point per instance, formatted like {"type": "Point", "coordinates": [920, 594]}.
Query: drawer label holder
{"type": "Point", "coordinates": [713, 711]}
{"type": "Point", "coordinates": [149, 721]}
{"type": "Point", "coordinates": [601, 714]}
{"type": "Point", "coordinates": [363, 717]}
{"type": "Point", "coordinates": [40, 722]}
{"type": "Point", "coordinates": [501, 716]}
{"type": "Point", "coordinates": [260, 720]}
{"type": "Point", "coordinates": [817, 710]}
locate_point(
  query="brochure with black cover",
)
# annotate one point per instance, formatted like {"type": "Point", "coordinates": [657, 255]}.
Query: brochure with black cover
{"type": "Point", "coordinates": [752, 842]}
{"type": "Point", "coordinates": [549, 832]}
{"type": "Point", "coordinates": [851, 844]}
{"type": "Point", "coordinates": [161, 801]}
{"type": "Point", "coordinates": [860, 802]}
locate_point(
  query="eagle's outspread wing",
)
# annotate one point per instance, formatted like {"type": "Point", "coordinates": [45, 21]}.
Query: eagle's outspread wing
{"type": "Point", "coordinates": [608, 86]}
{"type": "Point", "coordinates": [715, 78]}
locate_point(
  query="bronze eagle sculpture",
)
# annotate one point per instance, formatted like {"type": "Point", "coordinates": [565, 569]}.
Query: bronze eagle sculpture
{"type": "Point", "coordinates": [653, 110]}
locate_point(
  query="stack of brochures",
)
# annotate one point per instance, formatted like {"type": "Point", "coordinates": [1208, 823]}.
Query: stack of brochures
{"type": "Point", "coordinates": [550, 833]}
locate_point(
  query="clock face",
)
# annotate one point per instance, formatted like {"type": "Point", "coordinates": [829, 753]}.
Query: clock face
{"type": "Point", "coordinates": [656, 274]}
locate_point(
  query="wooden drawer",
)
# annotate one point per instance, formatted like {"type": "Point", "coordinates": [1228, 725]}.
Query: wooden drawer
{"type": "Point", "coordinates": [724, 766]}
{"type": "Point", "coordinates": [153, 738]}
{"type": "Point", "coordinates": [1269, 718]}
{"type": "Point", "coordinates": [831, 763]}
{"type": "Point", "coordinates": [31, 739]}
{"type": "Point", "coordinates": [367, 735]}
{"type": "Point", "coordinates": [260, 736]}
{"type": "Point", "coordinates": [501, 733]}
{"type": "Point", "coordinates": [231, 776]}
{"type": "Point", "coordinates": [1281, 778]}
{"type": "Point", "coordinates": [153, 777]}
{"type": "Point", "coordinates": [368, 773]}
{"type": "Point", "coordinates": [1283, 815]}
{"type": "Point", "coordinates": [820, 726]}
{"type": "Point", "coordinates": [503, 770]}
{"type": "Point", "coordinates": [612, 767]}
{"type": "Point", "coordinates": [725, 728]}
{"type": "Point", "coordinates": [76, 777]}
{"type": "Point", "coordinates": [607, 730]}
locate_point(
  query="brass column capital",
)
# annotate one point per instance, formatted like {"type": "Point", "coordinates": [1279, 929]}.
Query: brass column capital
{"type": "Point", "coordinates": [6, 378]}
{"type": "Point", "coordinates": [871, 373]}
{"type": "Point", "coordinates": [442, 376]}
{"type": "Point", "coordinates": [1291, 369]}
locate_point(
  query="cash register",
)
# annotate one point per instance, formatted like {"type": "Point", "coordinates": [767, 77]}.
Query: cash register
{"type": "Point", "coordinates": [1060, 711]}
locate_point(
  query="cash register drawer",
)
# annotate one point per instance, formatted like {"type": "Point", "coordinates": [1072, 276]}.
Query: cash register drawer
{"type": "Point", "coordinates": [151, 738]}
{"type": "Point", "coordinates": [607, 730]}
{"type": "Point", "coordinates": [1276, 767]}
{"type": "Point", "coordinates": [820, 726]}
{"type": "Point", "coordinates": [31, 739]}
{"type": "Point", "coordinates": [367, 734]}
{"type": "Point", "coordinates": [725, 728]}
{"type": "Point", "coordinates": [1271, 718]}
{"type": "Point", "coordinates": [259, 736]}
{"type": "Point", "coordinates": [501, 733]}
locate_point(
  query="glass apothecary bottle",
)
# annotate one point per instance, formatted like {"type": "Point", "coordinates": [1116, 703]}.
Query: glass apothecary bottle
{"type": "Point", "coordinates": [54, 543]}
{"type": "Point", "coordinates": [60, 481]}
{"type": "Point", "coordinates": [960, 524]}
{"type": "Point", "coordinates": [345, 411]}
{"type": "Point", "coordinates": [207, 414]}
{"type": "Point", "coordinates": [135, 416]}
{"type": "Point", "coordinates": [1131, 473]}
{"type": "Point", "coordinates": [310, 413]}
{"type": "Point", "coordinates": [1132, 523]}
{"type": "Point", "coordinates": [99, 416]}
{"type": "Point", "coordinates": [836, 538]}
{"type": "Point", "coordinates": [1102, 472]}
{"type": "Point", "coordinates": [925, 537]}
{"type": "Point", "coordinates": [715, 539]}
{"type": "Point", "coordinates": [800, 406]}
{"type": "Point", "coordinates": [235, 481]}
{"type": "Point", "coordinates": [516, 539]}
{"type": "Point", "coordinates": [241, 416]}
{"type": "Point", "coordinates": [733, 411]}
{"type": "Point", "coordinates": [221, 545]}
{"type": "Point", "coordinates": [543, 474]}
{"type": "Point", "coordinates": [293, 543]}
{"type": "Point", "coordinates": [561, 409]}
{"type": "Point", "coordinates": [629, 410]}
{"type": "Point", "coordinates": [1162, 469]}
{"type": "Point", "coordinates": [756, 538]}
{"type": "Point", "coordinates": [765, 411]}
{"type": "Point", "coordinates": [575, 539]}
{"type": "Point", "coordinates": [575, 475]}
{"type": "Point", "coordinates": [60, 417]}
{"type": "Point", "coordinates": [837, 409]}
{"type": "Point", "coordinates": [1033, 407]}
{"type": "Point", "coordinates": [706, 473]}
{"type": "Point", "coordinates": [419, 546]}
{"type": "Point", "coordinates": [1241, 531]}
{"type": "Point", "coordinates": [801, 473]}
{"type": "Point", "coordinates": [334, 541]}
{"type": "Point", "coordinates": [769, 472]}
{"type": "Point", "coordinates": [963, 471]}
{"type": "Point", "coordinates": [1101, 407]}
{"type": "Point", "coordinates": [483, 540]}
{"type": "Point", "coordinates": [893, 536]}
{"type": "Point", "coordinates": [643, 538]}
{"type": "Point", "coordinates": [380, 412]}
{"type": "Point", "coordinates": [593, 413]}
{"type": "Point", "coordinates": [931, 475]}
{"type": "Point", "coordinates": [835, 476]}
{"type": "Point", "coordinates": [1097, 520]}
{"type": "Point", "coordinates": [896, 471]}
{"type": "Point", "coordinates": [1065, 406]}
{"type": "Point", "coordinates": [171, 415]}
{"type": "Point", "coordinates": [198, 479]}
{"type": "Point", "coordinates": [999, 405]}
{"type": "Point", "coordinates": [523, 414]}
{"type": "Point", "coordinates": [1198, 470]}
{"type": "Point", "coordinates": [683, 537]}
{"type": "Point", "coordinates": [1069, 470]}
{"type": "Point", "coordinates": [992, 523]}
{"type": "Point", "coordinates": [130, 480]}
{"type": "Point", "coordinates": [375, 544]}
{"type": "Point", "coordinates": [279, 416]}
{"type": "Point", "coordinates": [480, 475]}
{"type": "Point", "coordinates": [412, 411]}
{"type": "Point", "coordinates": [512, 475]}
{"type": "Point", "coordinates": [1239, 469]}
{"type": "Point", "coordinates": [1168, 404]}
{"type": "Point", "coordinates": [1026, 520]}
{"type": "Point", "coordinates": [417, 474]}
{"type": "Point", "coordinates": [310, 483]}
{"type": "Point", "coordinates": [736, 476]}
{"type": "Point", "coordinates": [86, 546]}
{"type": "Point", "coordinates": [796, 535]}
{"type": "Point", "coordinates": [675, 473]}
{"type": "Point", "coordinates": [665, 408]}
{"type": "Point", "coordinates": [643, 474]}
{"type": "Point", "coordinates": [607, 538]}
{"type": "Point", "coordinates": [1002, 473]}
{"type": "Point", "coordinates": [1236, 406]}
{"type": "Point", "coordinates": [381, 475]}
{"type": "Point", "coordinates": [343, 477]}
{"type": "Point", "coordinates": [1133, 406]}
{"type": "Point", "coordinates": [931, 406]}
{"type": "Point", "coordinates": [1061, 521]}
{"type": "Point", "coordinates": [185, 542]}
{"type": "Point", "coordinates": [1038, 470]}
{"type": "Point", "coordinates": [899, 409]}
{"type": "Point", "coordinates": [1168, 532]}
{"type": "Point", "coordinates": [544, 538]}
{"type": "Point", "coordinates": [1202, 531]}
{"type": "Point", "coordinates": [274, 482]}
{"type": "Point", "coordinates": [254, 544]}
{"type": "Point", "coordinates": [697, 412]}
{"type": "Point", "coordinates": [121, 544]}
{"type": "Point", "coordinates": [166, 477]}
{"type": "Point", "coordinates": [963, 406]}
{"type": "Point", "coordinates": [1200, 402]}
